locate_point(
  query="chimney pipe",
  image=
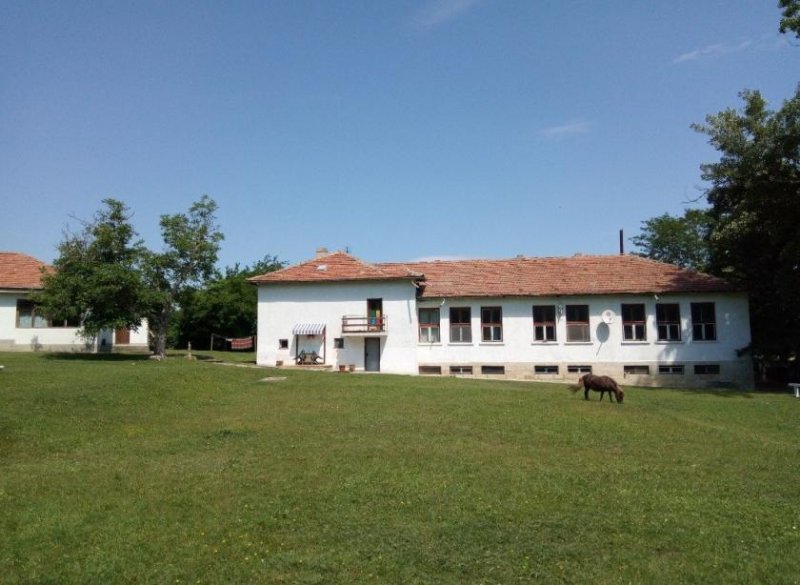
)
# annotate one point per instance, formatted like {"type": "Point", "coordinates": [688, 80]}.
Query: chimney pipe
{"type": "Point", "coordinates": [621, 244]}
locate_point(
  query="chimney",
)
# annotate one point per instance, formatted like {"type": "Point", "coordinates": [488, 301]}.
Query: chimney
{"type": "Point", "coordinates": [621, 243]}
{"type": "Point", "coordinates": [321, 252]}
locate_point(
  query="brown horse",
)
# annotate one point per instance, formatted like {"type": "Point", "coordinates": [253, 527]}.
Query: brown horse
{"type": "Point", "coordinates": [601, 384]}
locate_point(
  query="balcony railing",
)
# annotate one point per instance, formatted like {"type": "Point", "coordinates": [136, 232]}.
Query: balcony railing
{"type": "Point", "coordinates": [360, 324]}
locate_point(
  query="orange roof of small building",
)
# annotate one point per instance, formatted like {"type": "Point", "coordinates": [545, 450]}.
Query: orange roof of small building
{"type": "Point", "coordinates": [334, 267]}
{"type": "Point", "coordinates": [20, 271]}
{"type": "Point", "coordinates": [521, 276]}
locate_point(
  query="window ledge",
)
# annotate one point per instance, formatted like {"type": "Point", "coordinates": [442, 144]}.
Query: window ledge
{"type": "Point", "coordinates": [705, 340]}
{"type": "Point", "coordinates": [553, 343]}
{"type": "Point", "coordinates": [669, 342]}
{"type": "Point", "coordinates": [433, 344]}
{"type": "Point", "coordinates": [579, 343]}
{"type": "Point", "coordinates": [632, 342]}
{"type": "Point", "coordinates": [491, 343]}
{"type": "Point", "coordinates": [461, 343]}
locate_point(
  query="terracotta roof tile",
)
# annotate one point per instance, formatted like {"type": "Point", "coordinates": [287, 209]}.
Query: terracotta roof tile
{"type": "Point", "coordinates": [20, 271]}
{"type": "Point", "coordinates": [576, 275]}
{"type": "Point", "coordinates": [334, 267]}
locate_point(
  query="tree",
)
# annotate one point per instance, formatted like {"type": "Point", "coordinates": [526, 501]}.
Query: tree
{"type": "Point", "coordinates": [678, 240]}
{"type": "Point", "coordinates": [226, 305]}
{"type": "Point", "coordinates": [191, 246]}
{"type": "Point", "coordinates": [791, 16]}
{"type": "Point", "coordinates": [755, 209]}
{"type": "Point", "coordinates": [96, 279]}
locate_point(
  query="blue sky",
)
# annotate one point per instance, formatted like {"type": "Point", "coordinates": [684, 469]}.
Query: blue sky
{"type": "Point", "coordinates": [400, 130]}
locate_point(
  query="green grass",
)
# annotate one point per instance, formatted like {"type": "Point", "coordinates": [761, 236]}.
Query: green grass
{"type": "Point", "coordinates": [124, 470]}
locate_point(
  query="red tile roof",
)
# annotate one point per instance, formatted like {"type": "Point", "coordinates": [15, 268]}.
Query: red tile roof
{"type": "Point", "coordinates": [335, 267]}
{"type": "Point", "coordinates": [575, 275]}
{"type": "Point", "coordinates": [20, 271]}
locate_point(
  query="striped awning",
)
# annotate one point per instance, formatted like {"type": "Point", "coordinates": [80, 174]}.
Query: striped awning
{"type": "Point", "coordinates": [309, 329]}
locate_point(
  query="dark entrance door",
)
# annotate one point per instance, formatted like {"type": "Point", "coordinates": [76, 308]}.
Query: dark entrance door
{"type": "Point", "coordinates": [372, 354]}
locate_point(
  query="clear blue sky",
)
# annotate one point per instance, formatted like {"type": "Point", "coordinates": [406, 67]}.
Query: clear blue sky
{"type": "Point", "coordinates": [402, 130]}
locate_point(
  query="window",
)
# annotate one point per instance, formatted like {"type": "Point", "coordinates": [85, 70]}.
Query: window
{"type": "Point", "coordinates": [636, 370]}
{"type": "Point", "coordinates": [705, 369]}
{"type": "Point", "coordinates": [461, 370]}
{"type": "Point", "coordinates": [491, 324]}
{"type": "Point", "coordinates": [29, 316]}
{"type": "Point", "coordinates": [460, 325]}
{"type": "Point", "coordinates": [633, 322]}
{"type": "Point", "coordinates": [429, 325]}
{"type": "Point", "coordinates": [431, 370]}
{"type": "Point", "coordinates": [704, 322]}
{"type": "Point", "coordinates": [493, 370]}
{"type": "Point", "coordinates": [545, 369]}
{"type": "Point", "coordinates": [671, 370]}
{"type": "Point", "coordinates": [579, 369]}
{"type": "Point", "coordinates": [338, 343]}
{"type": "Point", "coordinates": [283, 344]}
{"type": "Point", "coordinates": [544, 323]}
{"type": "Point", "coordinates": [578, 323]}
{"type": "Point", "coordinates": [668, 320]}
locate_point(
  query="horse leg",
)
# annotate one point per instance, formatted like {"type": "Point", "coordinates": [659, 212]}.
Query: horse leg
{"type": "Point", "coordinates": [586, 393]}
{"type": "Point", "coordinates": [602, 393]}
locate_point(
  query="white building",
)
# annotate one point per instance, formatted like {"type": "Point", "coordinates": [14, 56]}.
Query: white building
{"type": "Point", "coordinates": [24, 328]}
{"type": "Point", "coordinates": [640, 321]}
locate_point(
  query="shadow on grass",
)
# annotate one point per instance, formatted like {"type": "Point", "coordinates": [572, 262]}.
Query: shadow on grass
{"type": "Point", "coordinates": [97, 357]}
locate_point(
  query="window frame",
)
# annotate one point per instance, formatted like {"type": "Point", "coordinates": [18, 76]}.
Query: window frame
{"type": "Point", "coordinates": [491, 326]}
{"type": "Point", "coordinates": [544, 329]}
{"type": "Point", "coordinates": [461, 326]}
{"type": "Point", "coordinates": [432, 329]}
{"type": "Point", "coordinates": [700, 322]}
{"type": "Point", "coordinates": [579, 325]}
{"type": "Point", "coordinates": [634, 328]}
{"type": "Point", "coordinates": [666, 325]}
{"type": "Point", "coordinates": [39, 321]}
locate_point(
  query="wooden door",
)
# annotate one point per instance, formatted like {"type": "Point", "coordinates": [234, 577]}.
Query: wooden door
{"type": "Point", "coordinates": [122, 337]}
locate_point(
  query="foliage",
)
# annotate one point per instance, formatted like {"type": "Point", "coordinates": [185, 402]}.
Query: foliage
{"type": "Point", "coordinates": [226, 305]}
{"type": "Point", "coordinates": [191, 246]}
{"type": "Point", "coordinates": [109, 281]}
{"type": "Point", "coordinates": [96, 278]}
{"type": "Point", "coordinates": [755, 209]}
{"type": "Point", "coordinates": [135, 471]}
{"type": "Point", "coordinates": [791, 16]}
{"type": "Point", "coordinates": [682, 241]}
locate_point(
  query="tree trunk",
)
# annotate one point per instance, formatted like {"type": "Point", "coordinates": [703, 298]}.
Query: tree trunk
{"type": "Point", "coordinates": [161, 325]}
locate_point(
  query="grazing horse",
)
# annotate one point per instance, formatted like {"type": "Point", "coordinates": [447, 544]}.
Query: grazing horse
{"type": "Point", "coordinates": [601, 384]}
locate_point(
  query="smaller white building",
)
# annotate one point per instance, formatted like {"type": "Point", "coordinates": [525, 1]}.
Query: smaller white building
{"type": "Point", "coordinates": [640, 321]}
{"type": "Point", "coordinates": [24, 328]}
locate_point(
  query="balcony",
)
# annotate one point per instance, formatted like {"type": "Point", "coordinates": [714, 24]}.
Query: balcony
{"type": "Point", "coordinates": [364, 326]}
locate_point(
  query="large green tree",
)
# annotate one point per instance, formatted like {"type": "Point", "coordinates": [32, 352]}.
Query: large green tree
{"type": "Point", "coordinates": [682, 240]}
{"type": "Point", "coordinates": [226, 305]}
{"type": "Point", "coordinates": [790, 20]}
{"type": "Point", "coordinates": [97, 281]}
{"type": "Point", "coordinates": [755, 208]}
{"type": "Point", "coordinates": [191, 245]}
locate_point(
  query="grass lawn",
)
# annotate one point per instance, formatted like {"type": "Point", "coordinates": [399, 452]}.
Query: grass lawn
{"type": "Point", "coordinates": [125, 470]}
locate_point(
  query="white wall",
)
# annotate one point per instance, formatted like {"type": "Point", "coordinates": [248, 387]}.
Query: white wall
{"type": "Point", "coordinates": [607, 345]}
{"type": "Point", "coordinates": [282, 306]}
{"type": "Point", "coordinates": [38, 338]}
